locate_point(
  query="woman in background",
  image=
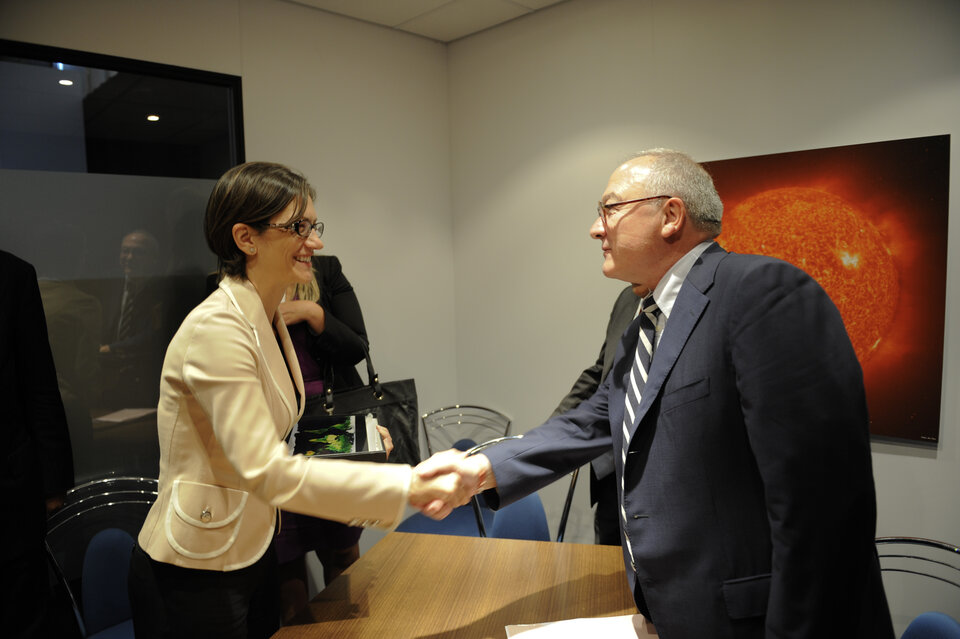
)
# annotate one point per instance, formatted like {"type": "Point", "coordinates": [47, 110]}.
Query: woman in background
{"type": "Point", "coordinates": [230, 392]}
{"type": "Point", "coordinates": [326, 327]}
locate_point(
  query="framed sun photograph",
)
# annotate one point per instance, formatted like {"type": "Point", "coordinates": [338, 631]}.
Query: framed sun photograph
{"type": "Point", "coordinates": [869, 223]}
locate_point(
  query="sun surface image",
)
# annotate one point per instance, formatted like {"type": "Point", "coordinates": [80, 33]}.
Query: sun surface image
{"type": "Point", "coordinates": [834, 243]}
{"type": "Point", "coordinates": [869, 222]}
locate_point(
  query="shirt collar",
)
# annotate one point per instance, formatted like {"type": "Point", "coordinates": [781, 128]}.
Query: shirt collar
{"type": "Point", "coordinates": [669, 285]}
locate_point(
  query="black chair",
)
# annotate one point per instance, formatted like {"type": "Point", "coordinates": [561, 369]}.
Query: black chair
{"type": "Point", "coordinates": [931, 560]}
{"type": "Point", "coordinates": [118, 504]}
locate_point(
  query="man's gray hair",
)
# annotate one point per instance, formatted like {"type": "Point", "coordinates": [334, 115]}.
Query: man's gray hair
{"type": "Point", "coordinates": [677, 174]}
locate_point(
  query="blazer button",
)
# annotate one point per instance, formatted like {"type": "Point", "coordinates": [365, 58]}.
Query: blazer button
{"type": "Point", "coordinates": [206, 515]}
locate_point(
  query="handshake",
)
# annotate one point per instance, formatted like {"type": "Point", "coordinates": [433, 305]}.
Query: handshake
{"type": "Point", "coordinates": [447, 480]}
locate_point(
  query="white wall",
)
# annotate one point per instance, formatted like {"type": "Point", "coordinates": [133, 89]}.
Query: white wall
{"type": "Point", "coordinates": [543, 109]}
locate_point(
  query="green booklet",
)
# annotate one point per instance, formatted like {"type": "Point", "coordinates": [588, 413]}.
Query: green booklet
{"type": "Point", "coordinates": [353, 436]}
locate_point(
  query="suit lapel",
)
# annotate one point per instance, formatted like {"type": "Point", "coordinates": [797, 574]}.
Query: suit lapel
{"type": "Point", "coordinates": [292, 363]}
{"type": "Point", "coordinates": [687, 309]}
{"type": "Point", "coordinates": [281, 366]}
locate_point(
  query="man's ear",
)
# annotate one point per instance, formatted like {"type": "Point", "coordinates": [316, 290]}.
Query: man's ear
{"type": "Point", "coordinates": [674, 218]}
{"type": "Point", "coordinates": [244, 236]}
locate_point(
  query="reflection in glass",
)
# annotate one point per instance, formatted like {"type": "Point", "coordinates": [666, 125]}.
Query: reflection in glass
{"type": "Point", "coordinates": [109, 208]}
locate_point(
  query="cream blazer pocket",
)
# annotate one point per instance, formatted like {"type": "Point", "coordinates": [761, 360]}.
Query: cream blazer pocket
{"type": "Point", "coordinates": [203, 520]}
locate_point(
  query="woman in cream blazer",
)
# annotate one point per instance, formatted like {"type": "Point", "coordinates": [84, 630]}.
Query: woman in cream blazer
{"type": "Point", "coordinates": [231, 391]}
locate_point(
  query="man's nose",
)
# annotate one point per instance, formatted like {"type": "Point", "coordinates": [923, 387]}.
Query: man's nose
{"type": "Point", "coordinates": [597, 231]}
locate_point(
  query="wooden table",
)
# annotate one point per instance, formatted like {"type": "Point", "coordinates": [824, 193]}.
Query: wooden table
{"type": "Point", "coordinates": [438, 586]}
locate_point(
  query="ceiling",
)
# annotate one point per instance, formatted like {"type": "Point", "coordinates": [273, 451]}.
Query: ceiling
{"type": "Point", "coordinates": [440, 20]}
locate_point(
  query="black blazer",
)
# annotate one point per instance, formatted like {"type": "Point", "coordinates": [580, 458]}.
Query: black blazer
{"type": "Point", "coordinates": [37, 462]}
{"type": "Point", "coordinates": [748, 484]}
{"type": "Point", "coordinates": [624, 310]}
{"type": "Point", "coordinates": [343, 342]}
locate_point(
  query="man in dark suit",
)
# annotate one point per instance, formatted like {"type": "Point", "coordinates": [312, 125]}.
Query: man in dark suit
{"type": "Point", "coordinates": [746, 491]}
{"type": "Point", "coordinates": [37, 467]}
{"type": "Point", "coordinates": [603, 483]}
{"type": "Point", "coordinates": [131, 351]}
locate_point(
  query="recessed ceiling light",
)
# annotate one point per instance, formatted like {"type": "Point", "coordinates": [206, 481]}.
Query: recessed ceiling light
{"type": "Point", "coordinates": [153, 118]}
{"type": "Point", "coordinates": [66, 83]}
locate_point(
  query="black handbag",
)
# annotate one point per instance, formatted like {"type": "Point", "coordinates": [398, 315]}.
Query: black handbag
{"type": "Point", "coordinates": [393, 403]}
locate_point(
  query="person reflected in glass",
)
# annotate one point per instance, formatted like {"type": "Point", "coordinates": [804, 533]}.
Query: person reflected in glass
{"type": "Point", "coordinates": [130, 351]}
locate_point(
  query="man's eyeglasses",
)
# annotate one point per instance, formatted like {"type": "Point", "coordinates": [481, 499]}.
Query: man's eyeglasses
{"type": "Point", "coordinates": [603, 210]}
{"type": "Point", "coordinates": [300, 227]}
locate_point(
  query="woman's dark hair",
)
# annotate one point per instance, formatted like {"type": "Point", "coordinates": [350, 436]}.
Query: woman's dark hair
{"type": "Point", "coordinates": [251, 194]}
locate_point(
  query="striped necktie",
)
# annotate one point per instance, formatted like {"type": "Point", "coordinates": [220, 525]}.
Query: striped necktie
{"type": "Point", "coordinates": [649, 312]}
{"type": "Point", "coordinates": [125, 323]}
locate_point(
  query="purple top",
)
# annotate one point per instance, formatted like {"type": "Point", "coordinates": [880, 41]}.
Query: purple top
{"type": "Point", "coordinates": [311, 371]}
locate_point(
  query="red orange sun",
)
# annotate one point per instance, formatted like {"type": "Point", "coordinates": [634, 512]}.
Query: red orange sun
{"type": "Point", "coordinates": [834, 243]}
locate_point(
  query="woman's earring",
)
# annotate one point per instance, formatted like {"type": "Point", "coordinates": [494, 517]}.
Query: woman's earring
{"type": "Point", "coordinates": [252, 251]}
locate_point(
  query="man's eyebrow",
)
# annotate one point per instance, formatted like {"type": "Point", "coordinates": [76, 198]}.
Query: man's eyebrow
{"type": "Point", "coordinates": [610, 196]}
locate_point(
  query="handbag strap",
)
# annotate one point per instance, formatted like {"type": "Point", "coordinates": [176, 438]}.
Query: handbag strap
{"type": "Point", "coordinates": [373, 381]}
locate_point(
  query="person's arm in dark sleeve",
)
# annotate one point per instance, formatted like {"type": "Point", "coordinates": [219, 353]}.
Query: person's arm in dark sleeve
{"type": "Point", "coordinates": [40, 393]}
{"type": "Point", "coordinates": [585, 386]}
{"type": "Point", "coordinates": [344, 337]}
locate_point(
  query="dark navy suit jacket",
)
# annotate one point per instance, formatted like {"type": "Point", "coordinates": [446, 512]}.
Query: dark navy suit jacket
{"type": "Point", "coordinates": [748, 484]}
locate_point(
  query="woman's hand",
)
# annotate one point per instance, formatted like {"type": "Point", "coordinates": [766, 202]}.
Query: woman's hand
{"type": "Point", "coordinates": [303, 311]}
{"type": "Point", "coordinates": [437, 496]}
{"type": "Point", "coordinates": [387, 439]}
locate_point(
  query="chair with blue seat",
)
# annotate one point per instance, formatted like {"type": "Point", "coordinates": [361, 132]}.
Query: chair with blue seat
{"type": "Point", "coordinates": [88, 544]}
{"type": "Point", "coordinates": [463, 521]}
{"type": "Point", "coordinates": [932, 625]}
{"type": "Point", "coordinates": [523, 519]}
{"type": "Point", "coordinates": [444, 426]}
{"type": "Point", "coordinates": [933, 560]}
{"type": "Point", "coordinates": [106, 606]}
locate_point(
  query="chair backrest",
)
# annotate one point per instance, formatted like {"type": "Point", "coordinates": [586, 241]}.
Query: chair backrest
{"type": "Point", "coordinates": [917, 556]}
{"type": "Point", "coordinates": [462, 521]}
{"type": "Point", "coordinates": [113, 502]}
{"type": "Point", "coordinates": [920, 575]}
{"type": "Point", "coordinates": [523, 519]}
{"type": "Point", "coordinates": [106, 564]}
{"type": "Point", "coordinates": [444, 426]}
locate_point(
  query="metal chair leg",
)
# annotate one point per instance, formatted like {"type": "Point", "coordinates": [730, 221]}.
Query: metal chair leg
{"type": "Point", "coordinates": [566, 506]}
